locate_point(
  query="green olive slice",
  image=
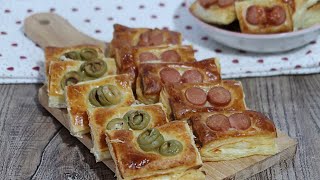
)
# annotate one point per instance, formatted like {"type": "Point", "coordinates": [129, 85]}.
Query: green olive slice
{"type": "Point", "coordinates": [88, 54]}
{"type": "Point", "coordinates": [70, 78]}
{"type": "Point", "coordinates": [101, 97]}
{"type": "Point", "coordinates": [95, 68]}
{"type": "Point", "coordinates": [137, 120]}
{"type": "Point", "coordinates": [111, 93]}
{"type": "Point", "coordinates": [170, 148]}
{"type": "Point", "coordinates": [150, 140]}
{"type": "Point", "coordinates": [117, 124]}
{"type": "Point", "coordinates": [73, 55]}
{"type": "Point", "coordinates": [93, 97]}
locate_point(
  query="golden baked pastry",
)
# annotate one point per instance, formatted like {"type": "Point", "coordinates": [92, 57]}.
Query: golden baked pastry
{"type": "Point", "coordinates": [136, 118]}
{"type": "Point", "coordinates": [231, 135]}
{"type": "Point", "coordinates": [64, 73]}
{"type": "Point", "coordinates": [128, 59]}
{"type": "Point", "coordinates": [152, 76]}
{"type": "Point", "coordinates": [80, 52]}
{"type": "Point", "coordinates": [264, 17]}
{"type": "Point", "coordinates": [312, 16]}
{"type": "Point", "coordinates": [183, 100]}
{"type": "Point", "coordinates": [167, 151]}
{"type": "Point", "coordinates": [125, 37]}
{"type": "Point", "coordinates": [111, 91]}
{"type": "Point", "coordinates": [214, 11]}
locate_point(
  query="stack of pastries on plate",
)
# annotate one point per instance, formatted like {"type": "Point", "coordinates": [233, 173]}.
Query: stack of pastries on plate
{"type": "Point", "coordinates": [259, 16]}
{"type": "Point", "coordinates": [152, 108]}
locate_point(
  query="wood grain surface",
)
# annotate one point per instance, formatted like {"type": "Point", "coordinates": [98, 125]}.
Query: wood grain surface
{"type": "Point", "coordinates": [34, 145]}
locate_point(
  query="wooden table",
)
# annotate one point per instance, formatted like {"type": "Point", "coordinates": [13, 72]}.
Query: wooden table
{"type": "Point", "coordinates": [34, 145]}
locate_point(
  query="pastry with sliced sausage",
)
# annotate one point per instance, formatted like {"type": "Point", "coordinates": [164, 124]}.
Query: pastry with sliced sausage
{"type": "Point", "coordinates": [152, 76]}
{"type": "Point", "coordinates": [182, 100]}
{"type": "Point", "coordinates": [264, 17]}
{"type": "Point", "coordinates": [230, 135]}
{"type": "Point", "coordinates": [220, 12]}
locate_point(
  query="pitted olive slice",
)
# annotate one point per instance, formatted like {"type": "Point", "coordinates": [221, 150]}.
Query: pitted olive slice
{"type": "Point", "coordinates": [73, 55]}
{"type": "Point", "coordinates": [137, 120]}
{"type": "Point", "coordinates": [150, 140]}
{"type": "Point", "coordinates": [88, 54]}
{"type": "Point", "coordinates": [111, 93]}
{"type": "Point", "coordinates": [93, 97]}
{"type": "Point", "coordinates": [95, 68]}
{"type": "Point", "coordinates": [70, 78]}
{"type": "Point", "coordinates": [117, 124]}
{"type": "Point", "coordinates": [170, 148]}
{"type": "Point", "coordinates": [101, 97]}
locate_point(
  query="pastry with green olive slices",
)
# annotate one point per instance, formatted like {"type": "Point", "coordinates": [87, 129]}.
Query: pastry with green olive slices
{"type": "Point", "coordinates": [220, 12]}
{"type": "Point", "coordinates": [163, 152]}
{"type": "Point", "coordinates": [231, 135]}
{"type": "Point", "coordinates": [183, 100]}
{"type": "Point", "coordinates": [109, 92]}
{"type": "Point", "coordinates": [136, 118]}
{"type": "Point", "coordinates": [152, 76]}
{"type": "Point", "coordinates": [64, 73]}
{"type": "Point", "coordinates": [76, 53]}
{"type": "Point", "coordinates": [129, 59]}
{"type": "Point", "coordinates": [264, 17]}
{"type": "Point", "coordinates": [125, 37]}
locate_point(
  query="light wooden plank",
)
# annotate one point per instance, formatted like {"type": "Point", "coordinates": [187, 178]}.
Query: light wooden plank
{"type": "Point", "coordinates": [235, 169]}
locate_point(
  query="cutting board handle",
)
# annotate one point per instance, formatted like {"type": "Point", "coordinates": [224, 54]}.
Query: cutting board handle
{"type": "Point", "coordinates": [49, 29]}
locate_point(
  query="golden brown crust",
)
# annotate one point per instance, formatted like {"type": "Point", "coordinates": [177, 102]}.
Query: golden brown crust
{"type": "Point", "coordinates": [125, 37]}
{"type": "Point", "coordinates": [78, 103]}
{"type": "Point", "coordinates": [246, 27]}
{"type": "Point", "coordinates": [179, 108]}
{"type": "Point", "coordinates": [56, 72]}
{"type": "Point", "coordinates": [149, 83]}
{"type": "Point", "coordinates": [214, 14]}
{"type": "Point", "coordinates": [54, 53]}
{"type": "Point", "coordinates": [100, 117]}
{"type": "Point", "coordinates": [132, 162]}
{"type": "Point", "coordinates": [260, 125]}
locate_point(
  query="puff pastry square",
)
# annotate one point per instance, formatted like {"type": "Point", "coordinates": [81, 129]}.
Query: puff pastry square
{"type": "Point", "coordinates": [134, 163]}
{"type": "Point", "coordinates": [312, 16]}
{"type": "Point", "coordinates": [183, 100]}
{"type": "Point", "coordinates": [125, 37]}
{"type": "Point", "coordinates": [232, 135]}
{"type": "Point", "coordinates": [264, 17]}
{"type": "Point", "coordinates": [213, 12]}
{"type": "Point", "coordinates": [100, 117]}
{"type": "Point", "coordinates": [152, 76]}
{"type": "Point", "coordinates": [58, 53]}
{"type": "Point", "coordinates": [128, 59]}
{"type": "Point", "coordinates": [77, 97]}
{"type": "Point", "coordinates": [56, 73]}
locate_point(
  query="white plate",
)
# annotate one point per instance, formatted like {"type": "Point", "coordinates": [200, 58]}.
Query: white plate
{"type": "Point", "coordinates": [267, 43]}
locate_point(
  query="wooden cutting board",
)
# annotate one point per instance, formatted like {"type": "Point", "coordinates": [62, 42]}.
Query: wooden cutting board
{"type": "Point", "coordinates": [47, 29]}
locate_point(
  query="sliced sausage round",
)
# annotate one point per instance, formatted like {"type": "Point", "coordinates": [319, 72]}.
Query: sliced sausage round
{"type": "Point", "coordinates": [155, 38]}
{"type": "Point", "coordinates": [196, 96]}
{"type": "Point", "coordinates": [240, 121]}
{"type": "Point", "coordinates": [170, 56]}
{"type": "Point", "coordinates": [170, 75]}
{"type": "Point", "coordinates": [276, 15]}
{"type": "Point", "coordinates": [192, 76]}
{"type": "Point", "coordinates": [144, 39]}
{"type": "Point", "coordinates": [219, 96]}
{"type": "Point", "coordinates": [147, 56]}
{"type": "Point", "coordinates": [256, 15]}
{"type": "Point", "coordinates": [225, 3]}
{"type": "Point", "coordinates": [218, 122]}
